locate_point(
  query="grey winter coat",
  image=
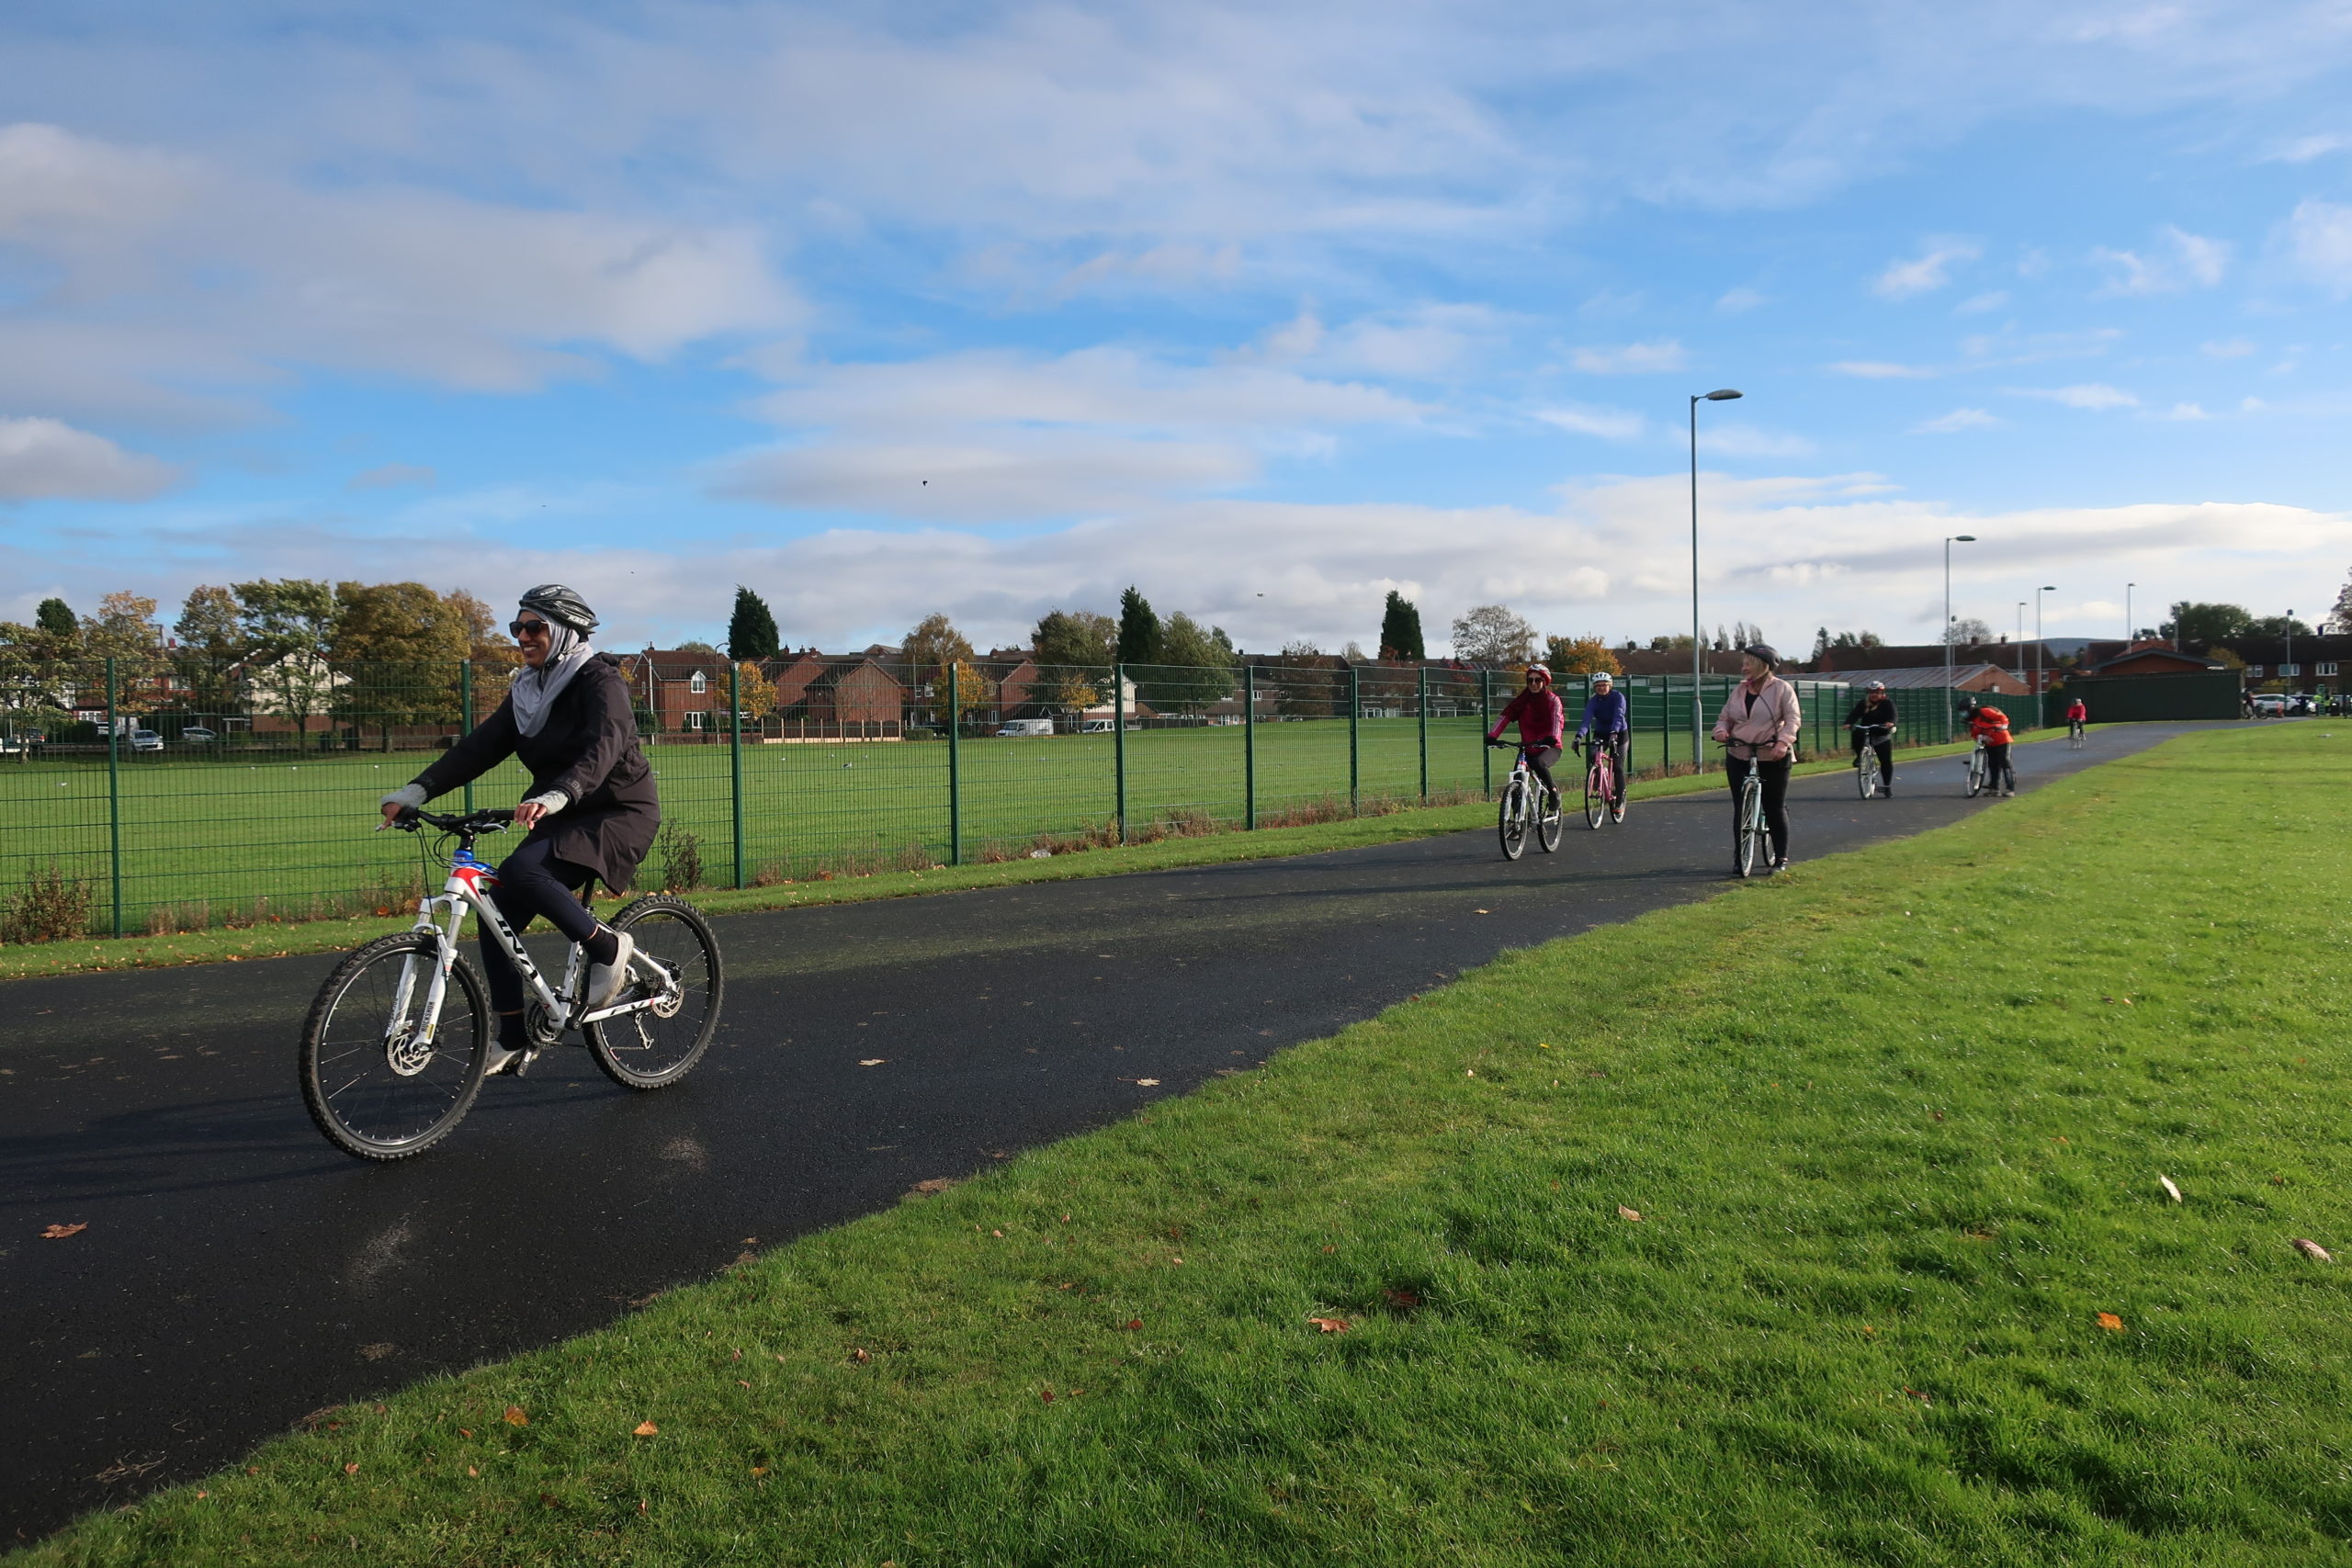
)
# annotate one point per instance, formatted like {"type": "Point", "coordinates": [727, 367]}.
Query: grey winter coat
{"type": "Point", "coordinates": [587, 749]}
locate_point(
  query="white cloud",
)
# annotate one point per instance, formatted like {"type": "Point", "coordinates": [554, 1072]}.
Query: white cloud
{"type": "Point", "coordinates": [2319, 241]}
{"type": "Point", "coordinates": [2185, 414]}
{"type": "Point", "coordinates": [1957, 420]}
{"type": "Point", "coordinates": [2090, 395]}
{"type": "Point", "coordinates": [1631, 359]}
{"type": "Point", "coordinates": [46, 459]}
{"type": "Point", "coordinates": [392, 476]}
{"type": "Point", "coordinates": [2193, 262]}
{"type": "Point", "coordinates": [1924, 274]}
{"type": "Point", "coordinates": [2229, 348]}
{"type": "Point", "coordinates": [160, 267]}
{"type": "Point", "coordinates": [1608, 425]}
{"type": "Point", "coordinates": [1738, 301]}
{"type": "Point", "coordinates": [1014, 475]}
{"type": "Point", "coordinates": [1882, 370]}
{"type": "Point", "coordinates": [1735, 439]}
{"type": "Point", "coordinates": [2303, 149]}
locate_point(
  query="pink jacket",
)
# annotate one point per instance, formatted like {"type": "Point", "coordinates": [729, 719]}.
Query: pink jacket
{"type": "Point", "coordinates": [1764, 721]}
{"type": "Point", "coordinates": [1541, 717]}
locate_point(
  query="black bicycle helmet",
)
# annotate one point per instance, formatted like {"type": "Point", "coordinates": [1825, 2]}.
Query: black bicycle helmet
{"type": "Point", "coordinates": [1765, 652]}
{"type": "Point", "coordinates": [558, 603]}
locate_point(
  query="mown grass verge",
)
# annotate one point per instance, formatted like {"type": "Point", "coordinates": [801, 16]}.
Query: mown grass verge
{"type": "Point", "coordinates": [1818, 1222]}
{"type": "Point", "coordinates": [280, 938]}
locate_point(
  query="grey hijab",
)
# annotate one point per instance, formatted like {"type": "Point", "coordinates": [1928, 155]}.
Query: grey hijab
{"type": "Point", "coordinates": [534, 692]}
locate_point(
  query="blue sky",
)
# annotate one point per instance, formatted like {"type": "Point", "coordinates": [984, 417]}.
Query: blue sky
{"type": "Point", "coordinates": [894, 309]}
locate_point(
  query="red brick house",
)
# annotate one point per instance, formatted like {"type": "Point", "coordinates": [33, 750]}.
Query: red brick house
{"type": "Point", "coordinates": [683, 690]}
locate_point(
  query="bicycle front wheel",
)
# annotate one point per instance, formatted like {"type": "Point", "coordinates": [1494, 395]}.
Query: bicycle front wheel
{"type": "Point", "coordinates": [655, 1046]}
{"type": "Point", "coordinates": [1747, 831]}
{"type": "Point", "coordinates": [1510, 819]}
{"type": "Point", "coordinates": [1596, 795]}
{"type": "Point", "coordinates": [377, 1083]}
{"type": "Point", "coordinates": [1865, 773]}
{"type": "Point", "coordinates": [1976, 775]}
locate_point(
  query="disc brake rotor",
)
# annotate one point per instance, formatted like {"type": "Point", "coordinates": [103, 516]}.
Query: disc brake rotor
{"type": "Point", "coordinates": [406, 1054]}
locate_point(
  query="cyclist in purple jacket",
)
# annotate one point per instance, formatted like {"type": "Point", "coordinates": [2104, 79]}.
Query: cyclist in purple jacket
{"type": "Point", "coordinates": [1606, 719]}
{"type": "Point", "coordinates": [1540, 720]}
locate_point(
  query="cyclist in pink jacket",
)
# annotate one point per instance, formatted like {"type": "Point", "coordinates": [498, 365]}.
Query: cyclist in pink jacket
{"type": "Point", "coordinates": [1759, 723]}
{"type": "Point", "coordinates": [1541, 721]}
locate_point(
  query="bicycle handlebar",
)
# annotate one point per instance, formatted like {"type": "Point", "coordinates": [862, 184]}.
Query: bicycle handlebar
{"type": "Point", "coordinates": [494, 820]}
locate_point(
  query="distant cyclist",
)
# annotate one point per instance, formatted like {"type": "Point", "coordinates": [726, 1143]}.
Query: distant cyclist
{"type": "Point", "coordinates": [1759, 723]}
{"type": "Point", "coordinates": [592, 810]}
{"type": "Point", "coordinates": [1991, 726]}
{"type": "Point", "coordinates": [1872, 723]}
{"type": "Point", "coordinates": [1541, 721]}
{"type": "Point", "coordinates": [2078, 718]}
{"type": "Point", "coordinates": [1606, 720]}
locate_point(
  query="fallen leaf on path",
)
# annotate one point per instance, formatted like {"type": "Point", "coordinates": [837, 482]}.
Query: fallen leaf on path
{"type": "Point", "coordinates": [1625, 1213]}
{"type": "Point", "coordinates": [1146, 1083]}
{"type": "Point", "coordinates": [58, 1232]}
{"type": "Point", "coordinates": [1331, 1324]}
{"type": "Point", "coordinates": [2170, 1191]}
{"type": "Point", "coordinates": [375, 1352]}
{"type": "Point", "coordinates": [2111, 1323]}
{"type": "Point", "coordinates": [2312, 1250]}
{"type": "Point", "coordinates": [644, 1429]}
{"type": "Point", "coordinates": [515, 1416]}
{"type": "Point", "coordinates": [934, 1185]}
{"type": "Point", "coordinates": [873, 1061]}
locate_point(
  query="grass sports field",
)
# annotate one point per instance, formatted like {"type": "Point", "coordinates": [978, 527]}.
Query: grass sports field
{"type": "Point", "coordinates": [205, 839]}
{"type": "Point", "coordinates": [1824, 1222]}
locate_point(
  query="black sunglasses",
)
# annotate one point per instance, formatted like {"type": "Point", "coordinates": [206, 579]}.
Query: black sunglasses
{"type": "Point", "coordinates": [526, 629]}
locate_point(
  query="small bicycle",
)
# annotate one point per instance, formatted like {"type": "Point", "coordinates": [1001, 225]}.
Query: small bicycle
{"type": "Point", "coordinates": [1867, 737]}
{"type": "Point", "coordinates": [2076, 730]}
{"type": "Point", "coordinates": [1524, 804]}
{"type": "Point", "coordinates": [1604, 791]}
{"type": "Point", "coordinates": [393, 1051]}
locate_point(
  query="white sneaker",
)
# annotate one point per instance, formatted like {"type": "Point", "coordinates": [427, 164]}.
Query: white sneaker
{"type": "Point", "coordinates": [608, 981]}
{"type": "Point", "coordinates": [512, 1063]}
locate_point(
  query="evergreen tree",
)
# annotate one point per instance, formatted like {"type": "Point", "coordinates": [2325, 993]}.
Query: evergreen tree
{"type": "Point", "coordinates": [1400, 630]}
{"type": "Point", "coordinates": [750, 631]}
{"type": "Point", "coordinates": [56, 618]}
{"type": "Point", "coordinates": [1139, 636]}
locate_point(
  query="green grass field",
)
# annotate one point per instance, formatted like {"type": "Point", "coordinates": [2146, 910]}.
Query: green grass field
{"type": "Point", "coordinates": [1819, 1223]}
{"type": "Point", "coordinates": [203, 841]}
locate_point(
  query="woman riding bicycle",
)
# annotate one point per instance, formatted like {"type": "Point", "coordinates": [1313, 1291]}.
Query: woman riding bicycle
{"type": "Point", "coordinates": [1540, 720]}
{"type": "Point", "coordinates": [1605, 719]}
{"type": "Point", "coordinates": [592, 811]}
{"type": "Point", "coordinates": [1871, 722]}
{"type": "Point", "coordinates": [1759, 723]}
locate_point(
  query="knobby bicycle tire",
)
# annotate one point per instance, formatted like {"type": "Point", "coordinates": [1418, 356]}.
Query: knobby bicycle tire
{"type": "Point", "coordinates": [1550, 825]}
{"type": "Point", "coordinates": [1510, 819]}
{"type": "Point", "coordinates": [1747, 831]}
{"type": "Point", "coordinates": [646, 1050]}
{"type": "Point", "coordinates": [367, 1100]}
{"type": "Point", "coordinates": [1977, 771]}
{"type": "Point", "coordinates": [1866, 772]}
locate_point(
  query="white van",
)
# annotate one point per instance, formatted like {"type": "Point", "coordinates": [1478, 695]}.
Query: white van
{"type": "Point", "coordinates": [1103, 726]}
{"type": "Point", "coordinates": [1025, 727]}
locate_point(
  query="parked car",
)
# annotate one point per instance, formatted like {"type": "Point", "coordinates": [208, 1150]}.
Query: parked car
{"type": "Point", "coordinates": [146, 740]}
{"type": "Point", "coordinates": [197, 735]}
{"type": "Point", "coordinates": [1103, 726]}
{"type": "Point", "coordinates": [2269, 704]}
{"type": "Point", "coordinates": [1016, 728]}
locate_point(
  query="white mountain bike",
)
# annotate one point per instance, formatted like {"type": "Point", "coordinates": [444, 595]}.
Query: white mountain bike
{"type": "Point", "coordinates": [396, 1045]}
{"type": "Point", "coordinates": [1980, 767]}
{"type": "Point", "coordinates": [1523, 805]}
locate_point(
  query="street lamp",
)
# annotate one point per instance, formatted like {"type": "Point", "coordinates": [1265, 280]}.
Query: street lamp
{"type": "Point", "coordinates": [1720, 395]}
{"type": "Point", "coordinates": [2289, 629]}
{"type": "Point", "coordinates": [2129, 633]}
{"type": "Point", "coordinates": [2020, 642]}
{"type": "Point", "coordinates": [2045, 588]}
{"type": "Point", "coordinates": [1950, 540]}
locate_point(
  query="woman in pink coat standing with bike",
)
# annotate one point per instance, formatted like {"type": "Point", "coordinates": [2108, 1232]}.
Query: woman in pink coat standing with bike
{"type": "Point", "coordinates": [1759, 724]}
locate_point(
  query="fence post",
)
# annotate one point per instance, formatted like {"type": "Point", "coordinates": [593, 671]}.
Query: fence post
{"type": "Point", "coordinates": [1421, 707]}
{"type": "Point", "coordinates": [114, 794]}
{"type": "Point", "coordinates": [1355, 757]}
{"type": "Point", "coordinates": [1665, 725]}
{"type": "Point", "coordinates": [1486, 723]}
{"type": "Point", "coordinates": [1250, 745]}
{"type": "Point", "coordinates": [466, 713]}
{"type": "Point", "coordinates": [955, 769]}
{"type": "Point", "coordinates": [1119, 742]}
{"type": "Point", "coordinates": [735, 757]}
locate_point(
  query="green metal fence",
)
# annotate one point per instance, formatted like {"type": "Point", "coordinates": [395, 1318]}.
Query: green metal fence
{"type": "Point", "coordinates": [145, 796]}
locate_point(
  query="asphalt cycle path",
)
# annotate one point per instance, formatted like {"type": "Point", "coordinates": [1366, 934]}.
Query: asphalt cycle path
{"type": "Point", "coordinates": [237, 1272]}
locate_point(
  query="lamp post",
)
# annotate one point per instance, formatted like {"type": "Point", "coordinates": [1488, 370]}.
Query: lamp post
{"type": "Point", "coordinates": [2130, 632]}
{"type": "Point", "coordinates": [2289, 659]}
{"type": "Point", "coordinates": [2020, 643]}
{"type": "Point", "coordinates": [2045, 588]}
{"type": "Point", "coordinates": [1720, 395]}
{"type": "Point", "coordinates": [1950, 540]}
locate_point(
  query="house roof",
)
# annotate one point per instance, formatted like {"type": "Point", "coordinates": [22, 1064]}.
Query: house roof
{"type": "Point", "coordinates": [2190, 664]}
{"type": "Point", "coordinates": [1915, 656]}
{"type": "Point", "coordinates": [1928, 675]}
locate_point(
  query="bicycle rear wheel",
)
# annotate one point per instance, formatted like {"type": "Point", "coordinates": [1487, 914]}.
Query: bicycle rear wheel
{"type": "Point", "coordinates": [1747, 831]}
{"type": "Point", "coordinates": [656, 1046]}
{"type": "Point", "coordinates": [374, 1086]}
{"type": "Point", "coordinates": [1510, 819]}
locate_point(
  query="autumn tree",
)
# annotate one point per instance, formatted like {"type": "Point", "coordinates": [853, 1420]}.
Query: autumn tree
{"type": "Point", "coordinates": [931, 647]}
{"type": "Point", "coordinates": [1580, 656]}
{"type": "Point", "coordinates": [1072, 648]}
{"type": "Point", "coordinates": [1491, 634]}
{"type": "Point", "coordinates": [755, 693]}
{"type": "Point", "coordinates": [290, 625]}
{"type": "Point", "coordinates": [401, 647]}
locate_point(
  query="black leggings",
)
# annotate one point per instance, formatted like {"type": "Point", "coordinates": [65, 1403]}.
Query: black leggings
{"type": "Point", "coordinates": [1541, 759]}
{"type": "Point", "coordinates": [533, 882]}
{"type": "Point", "coordinates": [1999, 772]}
{"type": "Point", "coordinates": [1775, 777]}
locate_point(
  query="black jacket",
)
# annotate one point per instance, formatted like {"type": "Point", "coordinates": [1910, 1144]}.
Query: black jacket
{"type": "Point", "coordinates": [1866, 711]}
{"type": "Point", "coordinates": [587, 749]}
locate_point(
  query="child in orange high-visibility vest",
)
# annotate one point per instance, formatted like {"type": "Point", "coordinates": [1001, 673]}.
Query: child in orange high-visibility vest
{"type": "Point", "coordinates": [1991, 726]}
